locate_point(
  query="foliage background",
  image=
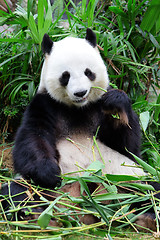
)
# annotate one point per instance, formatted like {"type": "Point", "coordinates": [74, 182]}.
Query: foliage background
{"type": "Point", "coordinates": [128, 33]}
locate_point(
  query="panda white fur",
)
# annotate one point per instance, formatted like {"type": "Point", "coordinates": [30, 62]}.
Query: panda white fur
{"type": "Point", "coordinates": [70, 107]}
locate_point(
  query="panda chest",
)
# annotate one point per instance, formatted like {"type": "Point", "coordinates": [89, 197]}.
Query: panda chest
{"type": "Point", "coordinates": [76, 152]}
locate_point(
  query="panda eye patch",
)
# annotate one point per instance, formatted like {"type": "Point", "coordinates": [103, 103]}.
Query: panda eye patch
{"type": "Point", "coordinates": [64, 78]}
{"type": "Point", "coordinates": [90, 74]}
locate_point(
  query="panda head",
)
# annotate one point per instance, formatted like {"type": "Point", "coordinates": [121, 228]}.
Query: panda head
{"type": "Point", "coordinates": [71, 70]}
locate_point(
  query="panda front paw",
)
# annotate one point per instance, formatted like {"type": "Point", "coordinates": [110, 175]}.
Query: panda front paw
{"type": "Point", "coordinates": [117, 106]}
{"type": "Point", "coordinates": [44, 173]}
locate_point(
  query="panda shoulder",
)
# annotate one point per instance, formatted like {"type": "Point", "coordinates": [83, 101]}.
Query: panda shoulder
{"type": "Point", "coordinates": [40, 105]}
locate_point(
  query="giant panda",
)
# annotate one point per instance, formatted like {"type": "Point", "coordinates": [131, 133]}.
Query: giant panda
{"type": "Point", "coordinates": [68, 108]}
{"type": "Point", "coordinates": [73, 104]}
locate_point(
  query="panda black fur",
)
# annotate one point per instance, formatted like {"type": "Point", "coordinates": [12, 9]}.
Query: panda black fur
{"type": "Point", "coordinates": [58, 126]}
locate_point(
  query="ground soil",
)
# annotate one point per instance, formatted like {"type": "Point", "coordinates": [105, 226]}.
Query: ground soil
{"type": "Point", "coordinates": [6, 156]}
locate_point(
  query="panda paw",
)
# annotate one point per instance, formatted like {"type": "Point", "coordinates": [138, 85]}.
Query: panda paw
{"type": "Point", "coordinates": [117, 106]}
{"type": "Point", "coordinates": [44, 173]}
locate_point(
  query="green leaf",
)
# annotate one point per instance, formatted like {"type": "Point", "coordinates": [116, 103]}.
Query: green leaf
{"type": "Point", "coordinates": [31, 89]}
{"type": "Point", "coordinates": [105, 42]}
{"type": "Point", "coordinates": [11, 58]}
{"type": "Point", "coordinates": [33, 28]}
{"type": "Point", "coordinates": [113, 196]}
{"type": "Point", "coordinates": [45, 217]}
{"type": "Point", "coordinates": [29, 7]}
{"type": "Point", "coordinates": [48, 18]}
{"type": "Point", "coordinates": [139, 186]}
{"type": "Point", "coordinates": [95, 166]}
{"type": "Point", "coordinates": [157, 110]}
{"type": "Point", "coordinates": [154, 41]}
{"type": "Point", "coordinates": [140, 7]}
{"type": "Point", "coordinates": [118, 11]}
{"type": "Point", "coordinates": [144, 120]}
{"type": "Point", "coordinates": [151, 16]}
{"type": "Point", "coordinates": [109, 237]}
{"type": "Point", "coordinates": [129, 7]}
{"type": "Point", "coordinates": [84, 6]}
{"type": "Point", "coordinates": [94, 178]}
{"type": "Point", "coordinates": [110, 188]}
{"type": "Point", "coordinates": [40, 15]}
{"type": "Point", "coordinates": [16, 90]}
{"type": "Point", "coordinates": [45, 2]}
{"type": "Point", "coordinates": [140, 82]}
{"type": "Point", "coordinates": [93, 203]}
{"type": "Point", "coordinates": [146, 166]}
{"type": "Point", "coordinates": [47, 214]}
{"type": "Point", "coordinates": [158, 25]}
{"type": "Point", "coordinates": [120, 178]}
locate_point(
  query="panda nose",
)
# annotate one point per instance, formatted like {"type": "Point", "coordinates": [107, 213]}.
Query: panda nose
{"type": "Point", "coordinates": [80, 94]}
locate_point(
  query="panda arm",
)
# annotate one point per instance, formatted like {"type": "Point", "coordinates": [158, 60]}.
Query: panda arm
{"type": "Point", "coordinates": [35, 155]}
{"type": "Point", "coordinates": [120, 128]}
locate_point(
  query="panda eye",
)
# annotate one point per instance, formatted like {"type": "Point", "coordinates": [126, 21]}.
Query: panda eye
{"type": "Point", "coordinates": [64, 78]}
{"type": "Point", "coordinates": [90, 74]}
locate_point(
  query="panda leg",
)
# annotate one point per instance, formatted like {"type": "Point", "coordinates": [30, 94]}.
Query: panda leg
{"type": "Point", "coordinates": [24, 201]}
{"type": "Point", "coordinates": [15, 195]}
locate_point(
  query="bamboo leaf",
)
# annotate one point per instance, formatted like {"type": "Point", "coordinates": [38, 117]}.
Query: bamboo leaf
{"type": "Point", "coordinates": [29, 7]}
{"type": "Point", "coordinates": [45, 218]}
{"type": "Point", "coordinates": [118, 11]}
{"type": "Point", "coordinates": [158, 25]}
{"type": "Point", "coordinates": [48, 20]}
{"type": "Point", "coordinates": [33, 28]}
{"type": "Point", "coordinates": [113, 196]}
{"type": "Point", "coordinates": [92, 201]}
{"type": "Point", "coordinates": [144, 120]}
{"type": "Point", "coordinates": [105, 42]}
{"type": "Point", "coordinates": [139, 186]}
{"type": "Point", "coordinates": [154, 41]}
{"type": "Point", "coordinates": [16, 90]}
{"type": "Point", "coordinates": [31, 89]}
{"type": "Point", "coordinates": [96, 166]}
{"type": "Point", "coordinates": [11, 58]}
{"type": "Point", "coordinates": [120, 178]}
{"type": "Point", "coordinates": [40, 15]}
{"type": "Point", "coordinates": [157, 110]}
{"type": "Point", "coordinates": [151, 16]}
{"type": "Point", "coordinates": [140, 7]}
{"type": "Point", "coordinates": [146, 166]}
{"type": "Point", "coordinates": [47, 214]}
{"type": "Point", "coordinates": [130, 8]}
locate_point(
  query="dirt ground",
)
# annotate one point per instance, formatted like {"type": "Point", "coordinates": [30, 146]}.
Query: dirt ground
{"type": "Point", "coordinates": [6, 156]}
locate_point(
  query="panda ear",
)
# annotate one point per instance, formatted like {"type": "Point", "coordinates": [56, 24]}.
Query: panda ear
{"type": "Point", "coordinates": [91, 37]}
{"type": "Point", "coordinates": [47, 44]}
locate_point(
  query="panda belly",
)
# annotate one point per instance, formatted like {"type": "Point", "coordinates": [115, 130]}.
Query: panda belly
{"type": "Point", "coordinates": [79, 152]}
